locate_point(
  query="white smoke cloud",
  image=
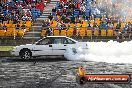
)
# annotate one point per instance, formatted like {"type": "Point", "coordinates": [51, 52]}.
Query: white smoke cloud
{"type": "Point", "coordinates": [122, 8]}
{"type": "Point", "coordinates": [111, 52]}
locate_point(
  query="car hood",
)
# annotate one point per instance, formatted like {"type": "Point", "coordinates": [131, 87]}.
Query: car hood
{"type": "Point", "coordinates": [24, 46]}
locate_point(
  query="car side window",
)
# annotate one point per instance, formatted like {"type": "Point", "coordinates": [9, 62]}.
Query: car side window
{"type": "Point", "coordinates": [45, 41]}
{"type": "Point", "coordinates": [57, 41]}
{"type": "Point", "coordinates": [69, 41]}
{"type": "Point", "coordinates": [65, 41]}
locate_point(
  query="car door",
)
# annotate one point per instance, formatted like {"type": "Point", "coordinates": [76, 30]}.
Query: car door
{"type": "Point", "coordinates": [58, 46]}
{"type": "Point", "coordinates": [43, 47]}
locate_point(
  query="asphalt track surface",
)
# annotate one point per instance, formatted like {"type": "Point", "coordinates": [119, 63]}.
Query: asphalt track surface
{"type": "Point", "coordinates": [55, 73]}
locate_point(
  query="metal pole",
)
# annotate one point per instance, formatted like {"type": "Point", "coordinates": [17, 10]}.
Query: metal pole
{"type": "Point", "coordinates": [14, 32]}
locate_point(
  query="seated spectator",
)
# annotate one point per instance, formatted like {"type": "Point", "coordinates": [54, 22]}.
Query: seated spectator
{"type": "Point", "coordinates": [78, 20]}
{"type": "Point", "coordinates": [20, 9]}
{"type": "Point", "coordinates": [117, 32]}
{"type": "Point", "coordinates": [72, 19]}
{"type": "Point", "coordinates": [110, 25]}
{"type": "Point", "coordinates": [50, 17]}
{"type": "Point", "coordinates": [4, 27]}
{"type": "Point", "coordinates": [54, 9]}
{"type": "Point", "coordinates": [63, 26]}
{"type": "Point", "coordinates": [25, 9]}
{"type": "Point", "coordinates": [126, 29]}
{"type": "Point", "coordinates": [13, 16]}
{"type": "Point", "coordinates": [63, 1]}
{"type": "Point", "coordinates": [89, 26]}
{"type": "Point", "coordinates": [34, 2]}
{"type": "Point", "coordinates": [63, 17]}
{"type": "Point", "coordinates": [29, 6]}
{"type": "Point", "coordinates": [45, 24]}
{"type": "Point", "coordinates": [59, 25]}
{"type": "Point", "coordinates": [59, 12]}
{"type": "Point", "coordinates": [40, 6]}
{"type": "Point", "coordinates": [2, 18]}
{"type": "Point", "coordinates": [17, 26]}
{"type": "Point", "coordinates": [28, 13]}
{"type": "Point", "coordinates": [66, 20]}
{"type": "Point", "coordinates": [118, 27]}
{"type": "Point", "coordinates": [48, 32]}
{"type": "Point", "coordinates": [64, 10]}
{"type": "Point", "coordinates": [69, 12]}
{"type": "Point", "coordinates": [60, 6]}
{"type": "Point", "coordinates": [95, 26]}
{"type": "Point", "coordinates": [1, 26]}
{"type": "Point", "coordinates": [129, 26]}
{"type": "Point", "coordinates": [103, 25]}
{"type": "Point", "coordinates": [24, 17]}
{"type": "Point", "coordinates": [23, 26]}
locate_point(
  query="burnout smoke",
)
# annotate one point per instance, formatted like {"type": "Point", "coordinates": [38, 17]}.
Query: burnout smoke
{"type": "Point", "coordinates": [111, 52]}
{"type": "Point", "coordinates": [121, 8]}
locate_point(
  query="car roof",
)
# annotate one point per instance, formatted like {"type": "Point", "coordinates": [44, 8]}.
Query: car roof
{"type": "Point", "coordinates": [58, 36]}
{"type": "Point", "coordinates": [55, 36]}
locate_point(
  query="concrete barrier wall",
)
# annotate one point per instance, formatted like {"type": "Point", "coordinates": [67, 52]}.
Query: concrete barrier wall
{"type": "Point", "coordinates": [12, 42]}
{"type": "Point", "coordinates": [5, 54]}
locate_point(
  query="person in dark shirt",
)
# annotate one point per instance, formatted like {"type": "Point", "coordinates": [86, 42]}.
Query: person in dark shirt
{"type": "Point", "coordinates": [17, 26]}
{"type": "Point", "coordinates": [72, 19]}
{"type": "Point", "coordinates": [23, 26]}
{"type": "Point", "coordinates": [129, 26]}
{"type": "Point", "coordinates": [2, 17]}
{"type": "Point", "coordinates": [63, 17]}
{"type": "Point", "coordinates": [1, 27]}
{"type": "Point", "coordinates": [54, 9]}
{"type": "Point", "coordinates": [4, 27]}
{"type": "Point", "coordinates": [66, 20]}
{"type": "Point", "coordinates": [45, 24]}
{"type": "Point", "coordinates": [63, 26]}
{"type": "Point", "coordinates": [50, 17]}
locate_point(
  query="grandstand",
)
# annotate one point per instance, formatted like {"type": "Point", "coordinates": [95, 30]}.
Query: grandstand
{"type": "Point", "coordinates": [30, 20]}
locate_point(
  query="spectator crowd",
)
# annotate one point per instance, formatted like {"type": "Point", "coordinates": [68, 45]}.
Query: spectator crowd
{"type": "Point", "coordinates": [75, 14]}
{"type": "Point", "coordinates": [16, 10]}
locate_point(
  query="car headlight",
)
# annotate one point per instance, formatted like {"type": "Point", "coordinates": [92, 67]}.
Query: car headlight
{"type": "Point", "coordinates": [15, 48]}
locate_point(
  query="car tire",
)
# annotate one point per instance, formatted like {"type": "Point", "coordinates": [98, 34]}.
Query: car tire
{"type": "Point", "coordinates": [25, 54]}
{"type": "Point", "coordinates": [82, 80]}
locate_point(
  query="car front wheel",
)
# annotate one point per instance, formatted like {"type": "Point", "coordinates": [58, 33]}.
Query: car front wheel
{"type": "Point", "coordinates": [25, 54]}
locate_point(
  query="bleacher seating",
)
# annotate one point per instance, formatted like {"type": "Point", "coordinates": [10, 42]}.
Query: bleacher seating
{"type": "Point", "coordinates": [103, 32]}
{"type": "Point", "coordinates": [85, 24]}
{"type": "Point", "coordinates": [78, 22]}
{"type": "Point", "coordinates": [10, 17]}
{"type": "Point", "coordinates": [11, 30]}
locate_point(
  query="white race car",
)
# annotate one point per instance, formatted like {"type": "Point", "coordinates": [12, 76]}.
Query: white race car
{"type": "Point", "coordinates": [48, 46]}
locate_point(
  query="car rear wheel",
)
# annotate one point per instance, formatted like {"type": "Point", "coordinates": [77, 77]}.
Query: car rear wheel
{"type": "Point", "coordinates": [25, 54]}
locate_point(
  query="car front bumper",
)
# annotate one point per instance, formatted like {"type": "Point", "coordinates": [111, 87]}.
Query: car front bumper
{"type": "Point", "coordinates": [14, 53]}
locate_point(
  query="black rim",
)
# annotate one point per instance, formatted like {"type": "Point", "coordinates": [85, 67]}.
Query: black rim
{"type": "Point", "coordinates": [26, 55]}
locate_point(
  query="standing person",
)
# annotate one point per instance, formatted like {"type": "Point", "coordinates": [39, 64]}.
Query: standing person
{"type": "Point", "coordinates": [81, 71]}
{"type": "Point", "coordinates": [117, 32]}
{"type": "Point", "coordinates": [50, 17]}
{"type": "Point", "coordinates": [59, 26]}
